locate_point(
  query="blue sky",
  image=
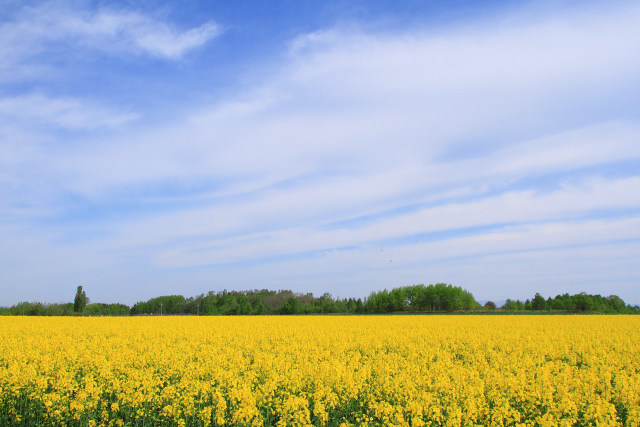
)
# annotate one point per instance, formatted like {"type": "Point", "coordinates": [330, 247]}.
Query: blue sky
{"type": "Point", "coordinates": [156, 148]}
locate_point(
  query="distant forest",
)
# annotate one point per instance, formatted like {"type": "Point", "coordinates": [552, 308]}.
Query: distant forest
{"type": "Point", "coordinates": [407, 299]}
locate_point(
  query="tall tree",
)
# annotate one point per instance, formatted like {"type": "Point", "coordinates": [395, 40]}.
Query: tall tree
{"type": "Point", "coordinates": [80, 302]}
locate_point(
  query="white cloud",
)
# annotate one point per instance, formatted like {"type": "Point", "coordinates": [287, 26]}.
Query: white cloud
{"type": "Point", "coordinates": [565, 207]}
{"type": "Point", "coordinates": [362, 105]}
{"type": "Point", "coordinates": [34, 30]}
{"type": "Point", "coordinates": [131, 31]}
{"type": "Point", "coordinates": [417, 133]}
{"type": "Point", "coordinates": [64, 112]}
{"type": "Point", "coordinates": [166, 42]}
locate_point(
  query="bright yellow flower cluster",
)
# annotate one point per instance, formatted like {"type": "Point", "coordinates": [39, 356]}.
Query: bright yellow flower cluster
{"type": "Point", "coordinates": [333, 370]}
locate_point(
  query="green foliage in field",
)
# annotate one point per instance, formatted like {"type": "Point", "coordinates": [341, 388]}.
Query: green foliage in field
{"type": "Point", "coordinates": [436, 298]}
{"type": "Point", "coordinates": [248, 303]}
{"type": "Point", "coordinates": [40, 309]}
{"type": "Point", "coordinates": [80, 301]}
{"type": "Point", "coordinates": [581, 302]}
{"type": "Point", "coordinates": [100, 309]}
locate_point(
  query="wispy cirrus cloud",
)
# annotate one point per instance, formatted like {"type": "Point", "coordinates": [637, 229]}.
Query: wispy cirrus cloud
{"type": "Point", "coordinates": [113, 30]}
{"type": "Point", "coordinates": [362, 160]}
{"type": "Point", "coordinates": [60, 113]}
{"type": "Point", "coordinates": [32, 37]}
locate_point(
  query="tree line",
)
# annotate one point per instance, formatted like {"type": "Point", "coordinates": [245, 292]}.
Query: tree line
{"type": "Point", "coordinates": [581, 302]}
{"type": "Point", "coordinates": [438, 297]}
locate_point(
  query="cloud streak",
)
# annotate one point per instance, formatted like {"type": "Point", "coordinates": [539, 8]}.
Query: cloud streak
{"type": "Point", "coordinates": [63, 113]}
{"type": "Point", "coordinates": [362, 160]}
{"type": "Point", "coordinates": [28, 40]}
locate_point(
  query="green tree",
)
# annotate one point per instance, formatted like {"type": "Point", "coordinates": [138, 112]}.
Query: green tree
{"type": "Point", "coordinates": [291, 306]}
{"type": "Point", "coordinates": [80, 301]}
{"type": "Point", "coordinates": [513, 305]}
{"type": "Point", "coordinates": [258, 307]}
{"type": "Point", "coordinates": [490, 305]}
{"type": "Point", "coordinates": [539, 303]}
{"type": "Point", "coordinates": [615, 304]}
{"type": "Point", "coordinates": [209, 304]}
{"type": "Point", "coordinates": [438, 297]}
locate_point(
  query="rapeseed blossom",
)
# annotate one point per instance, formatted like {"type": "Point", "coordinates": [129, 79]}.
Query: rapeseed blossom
{"type": "Point", "coordinates": [324, 371]}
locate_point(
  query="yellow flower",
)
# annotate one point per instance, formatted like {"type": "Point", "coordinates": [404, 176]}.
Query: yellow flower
{"type": "Point", "coordinates": [366, 370]}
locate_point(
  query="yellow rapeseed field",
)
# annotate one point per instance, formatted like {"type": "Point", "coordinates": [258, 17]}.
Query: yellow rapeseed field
{"type": "Point", "coordinates": [333, 370]}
